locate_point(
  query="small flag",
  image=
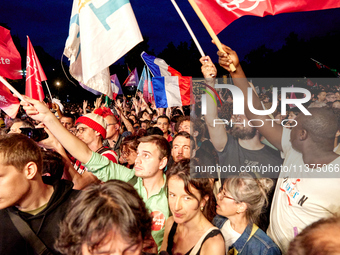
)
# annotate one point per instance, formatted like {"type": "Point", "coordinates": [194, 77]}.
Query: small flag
{"type": "Point", "coordinates": [8, 103]}
{"type": "Point", "coordinates": [116, 88]}
{"type": "Point", "coordinates": [171, 91]}
{"type": "Point", "coordinates": [150, 89]}
{"type": "Point", "coordinates": [221, 13]}
{"type": "Point", "coordinates": [158, 67]}
{"type": "Point", "coordinates": [34, 74]}
{"type": "Point", "coordinates": [132, 79]}
{"type": "Point", "coordinates": [100, 33]}
{"type": "Point", "coordinates": [10, 59]}
{"type": "Point", "coordinates": [142, 80]}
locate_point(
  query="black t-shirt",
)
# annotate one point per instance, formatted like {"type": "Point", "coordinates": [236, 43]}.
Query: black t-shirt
{"type": "Point", "coordinates": [265, 162]}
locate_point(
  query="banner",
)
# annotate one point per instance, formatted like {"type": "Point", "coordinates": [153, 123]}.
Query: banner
{"type": "Point", "coordinates": [34, 74]}
{"type": "Point", "coordinates": [100, 33]}
{"type": "Point", "coordinates": [10, 59]}
{"type": "Point", "coordinates": [220, 13]}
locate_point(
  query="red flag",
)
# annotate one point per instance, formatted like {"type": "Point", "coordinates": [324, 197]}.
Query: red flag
{"type": "Point", "coordinates": [8, 103]}
{"type": "Point", "coordinates": [220, 13]}
{"type": "Point", "coordinates": [10, 59]}
{"type": "Point", "coordinates": [34, 74]}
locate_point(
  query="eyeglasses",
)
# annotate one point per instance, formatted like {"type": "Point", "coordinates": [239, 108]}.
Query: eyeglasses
{"type": "Point", "coordinates": [222, 192]}
{"type": "Point", "coordinates": [125, 153]}
{"type": "Point", "coordinates": [80, 130]}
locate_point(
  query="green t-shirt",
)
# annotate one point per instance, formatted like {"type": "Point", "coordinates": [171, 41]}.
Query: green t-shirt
{"type": "Point", "coordinates": [104, 169]}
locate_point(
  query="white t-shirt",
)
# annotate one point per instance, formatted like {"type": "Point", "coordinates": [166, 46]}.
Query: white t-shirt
{"type": "Point", "coordinates": [299, 201]}
{"type": "Point", "coordinates": [229, 234]}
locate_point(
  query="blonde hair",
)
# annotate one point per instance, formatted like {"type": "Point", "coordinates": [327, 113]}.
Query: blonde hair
{"type": "Point", "coordinates": [251, 191]}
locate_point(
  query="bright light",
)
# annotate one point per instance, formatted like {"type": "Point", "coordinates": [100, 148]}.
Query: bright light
{"type": "Point", "coordinates": [58, 83]}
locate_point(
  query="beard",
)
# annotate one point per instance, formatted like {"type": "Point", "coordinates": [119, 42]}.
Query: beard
{"type": "Point", "coordinates": [243, 133]}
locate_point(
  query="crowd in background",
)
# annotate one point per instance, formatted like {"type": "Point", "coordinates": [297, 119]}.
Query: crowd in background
{"type": "Point", "coordinates": [105, 150]}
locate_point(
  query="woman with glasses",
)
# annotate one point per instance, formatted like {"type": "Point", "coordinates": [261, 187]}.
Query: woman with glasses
{"type": "Point", "coordinates": [241, 200]}
{"type": "Point", "coordinates": [189, 230]}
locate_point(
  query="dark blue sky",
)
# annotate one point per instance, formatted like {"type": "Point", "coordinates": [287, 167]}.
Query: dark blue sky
{"type": "Point", "coordinates": [46, 23]}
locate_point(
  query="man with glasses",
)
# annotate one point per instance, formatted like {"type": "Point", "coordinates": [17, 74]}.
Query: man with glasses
{"type": "Point", "coordinates": [91, 129]}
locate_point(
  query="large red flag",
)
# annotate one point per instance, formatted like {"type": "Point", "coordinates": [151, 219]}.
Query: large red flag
{"type": "Point", "coordinates": [34, 74]}
{"type": "Point", "coordinates": [8, 103]}
{"type": "Point", "coordinates": [220, 13]}
{"type": "Point", "coordinates": [10, 59]}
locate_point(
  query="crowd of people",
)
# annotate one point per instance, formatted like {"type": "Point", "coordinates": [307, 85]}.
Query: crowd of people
{"type": "Point", "coordinates": [123, 179]}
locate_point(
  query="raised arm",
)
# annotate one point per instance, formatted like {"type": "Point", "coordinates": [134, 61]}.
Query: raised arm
{"type": "Point", "coordinates": [38, 111]}
{"type": "Point", "coordinates": [218, 135]}
{"type": "Point", "coordinates": [270, 130]}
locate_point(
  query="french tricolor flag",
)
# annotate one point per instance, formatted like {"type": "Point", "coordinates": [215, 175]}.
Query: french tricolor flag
{"type": "Point", "coordinates": [170, 88]}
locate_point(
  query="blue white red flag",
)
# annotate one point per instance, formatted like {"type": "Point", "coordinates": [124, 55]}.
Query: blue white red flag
{"type": "Point", "coordinates": [171, 91]}
{"type": "Point", "coordinates": [158, 67]}
{"type": "Point", "coordinates": [100, 33]}
{"type": "Point", "coordinates": [116, 88]}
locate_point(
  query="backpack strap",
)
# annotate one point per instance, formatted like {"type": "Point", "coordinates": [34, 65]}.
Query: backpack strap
{"type": "Point", "coordinates": [27, 233]}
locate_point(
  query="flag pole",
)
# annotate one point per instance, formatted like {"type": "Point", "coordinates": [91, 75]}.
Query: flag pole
{"type": "Point", "coordinates": [209, 29]}
{"type": "Point", "coordinates": [48, 90]}
{"type": "Point", "coordinates": [11, 88]}
{"type": "Point", "coordinates": [188, 27]}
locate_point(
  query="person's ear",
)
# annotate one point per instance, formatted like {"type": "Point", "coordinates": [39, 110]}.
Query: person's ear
{"type": "Point", "coordinates": [204, 201]}
{"type": "Point", "coordinates": [242, 207]}
{"type": "Point", "coordinates": [30, 170]}
{"type": "Point", "coordinates": [303, 134]}
{"type": "Point", "coordinates": [163, 163]}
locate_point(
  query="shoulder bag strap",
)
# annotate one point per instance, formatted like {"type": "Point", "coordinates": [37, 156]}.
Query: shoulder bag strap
{"type": "Point", "coordinates": [27, 233]}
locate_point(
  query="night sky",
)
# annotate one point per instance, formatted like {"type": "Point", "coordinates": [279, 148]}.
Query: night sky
{"type": "Point", "coordinates": [46, 23]}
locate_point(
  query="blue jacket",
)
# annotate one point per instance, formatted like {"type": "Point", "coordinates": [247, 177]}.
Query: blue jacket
{"type": "Point", "coordinates": [258, 244]}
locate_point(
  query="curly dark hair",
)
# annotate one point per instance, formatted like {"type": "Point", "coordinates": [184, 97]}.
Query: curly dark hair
{"type": "Point", "coordinates": [100, 209]}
